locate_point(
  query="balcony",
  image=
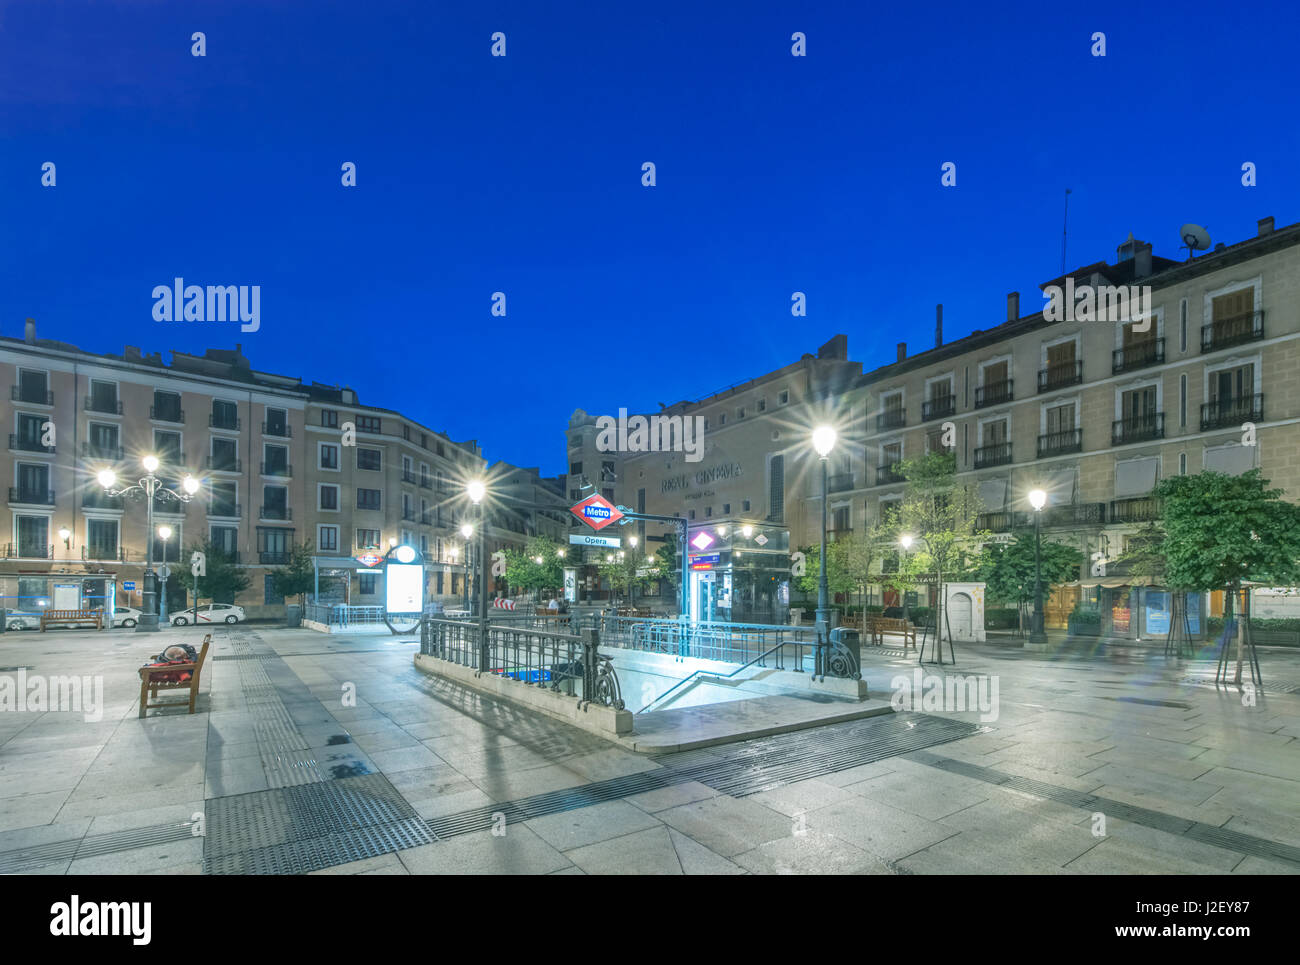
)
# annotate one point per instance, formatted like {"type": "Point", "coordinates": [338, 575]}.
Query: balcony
{"type": "Point", "coordinates": [1138, 355]}
{"type": "Point", "coordinates": [1231, 412]}
{"type": "Point", "coordinates": [97, 498]}
{"type": "Point", "coordinates": [225, 465]}
{"type": "Point", "coordinates": [995, 393]}
{"type": "Point", "coordinates": [21, 443]}
{"type": "Point", "coordinates": [939, 407]}
{"type": "Point", "coordinates": [276, 512]}
{"type": "Point", "coordinates": [840, 482]}
{"type": "Point", "coordinates": [111, 553]}
{"type": "Point", "coordinates": [270, 558]}
{"type": "Point", "coordinates": [225, 510]}
{"type": "Point", "coordinates": [1060, 376]}
{"type": "Point", "coordinates": [167, 413]}
{"type": "Point", "coordinates": [29, 551]}
{"type": "Point", "coordinates": [1075, 514]}
{"type": "Point", "coordinates": [408, 515]}
{"type": "Point", "coordinates": [1225, 332]}
{"type": "Point", "coordinates": [1060, 443]}
{"type": "Point", "coordinates": [889, 474]}
{"type": "Point", "coordinates": [426, 519]}
{"type": "Point", "coordinates": [224, 422]}
{"type": "Point", "coordinates": [112, 453]}
{"type": "Point", "coordinates": [408, 476]}
{"type": "Point", "coordinates": [280, 429]}
{"type": "Point", "coordinates": [891, 419]}
{"type": "Point", "coordinates": [31, 396]}
{"type": "Point", "coordinates": [998, 454]}
{"type": "Point", "coordinates": [1003, 522]}
{"type": "Point", "coordinates": [1142, 509]}
{"type": "Point", "coordinates": [31, 496]}
{"type": "Point", "coordinates": [1138, 429]}
{"type": "Point", "coordinates": [426, 482]}
{"type": "Point", "coordinates": [276, 469]}
{"type": "Point", "coordinates": [106, 406]}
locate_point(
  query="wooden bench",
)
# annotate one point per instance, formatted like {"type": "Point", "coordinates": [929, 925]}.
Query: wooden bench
{"type": "Point", "coordinates": [52, 617]}
{"type": "Point", "coordinates": [877, 627]}
{"type": "Point", "coordinates": [152, 680]}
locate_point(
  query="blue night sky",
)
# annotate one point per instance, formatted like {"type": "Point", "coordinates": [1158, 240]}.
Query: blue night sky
{"type": "Point", "coordinates": [522, 174]}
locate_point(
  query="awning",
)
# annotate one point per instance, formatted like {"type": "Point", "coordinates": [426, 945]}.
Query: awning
{"type": "Point", "coordinates": [1136, 477]}
{"type": "Point", "coordinates": [993, 494]}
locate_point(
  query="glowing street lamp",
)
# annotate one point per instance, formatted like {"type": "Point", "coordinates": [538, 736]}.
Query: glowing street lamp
{"type": "Point", "coordinates": [1038, 499]}
{"type": "Point", "coordinates": [823, 440]}
{"type": "Point", "coordinates": [476, 490]}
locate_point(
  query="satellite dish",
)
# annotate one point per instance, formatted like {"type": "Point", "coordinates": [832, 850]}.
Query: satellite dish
{"type": "Point", "coordinates": [1195, 238]}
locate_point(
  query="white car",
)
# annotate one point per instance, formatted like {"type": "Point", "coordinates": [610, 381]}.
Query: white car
{"type": "Point", "coordinates": [19, 620]}
{"type": "Point", "coordinates": [212, 613]}
{"type": "Point", "coordinates": [125, 616]}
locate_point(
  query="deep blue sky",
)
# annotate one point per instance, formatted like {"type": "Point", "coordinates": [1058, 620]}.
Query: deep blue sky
{"type": "Point", "coordinates": [477, 174]}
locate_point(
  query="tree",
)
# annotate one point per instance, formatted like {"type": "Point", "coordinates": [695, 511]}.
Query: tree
{"type": "Point", "coordinates": [631, 569]}
{"type": "Point", "coordinates": [1008, 570]}
{"type": "Point", "coordinates": [223, 580]}
{"type": "Point", "coordinates": [298, 576]}
{"type": "Point", "coordinates": [838, 579]}
{"type": "Point", "coordinates": [939, 512]}
{"type": "Point", "coordinates": [523, 568]}
{"type": "Point", "coordinates": [1222, 530]}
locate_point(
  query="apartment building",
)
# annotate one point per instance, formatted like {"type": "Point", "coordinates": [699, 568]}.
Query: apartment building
{"type": "Point", "coordinates": [275, 464]}
{"type": "Point", "coordinates": [1093, 411]}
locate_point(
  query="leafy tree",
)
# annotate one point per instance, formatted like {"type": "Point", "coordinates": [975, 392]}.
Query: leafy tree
{"type": "Point", "coordinates": [524, 570]}
{"type": "Point", "coordinates": [1222, 530]}
{"type": "Point", "coordinates": [838, 578]}
{"type": "Point", "coordinates": [629, 570]}
{"type": "Point", "coordinates": [1007, 569]}
{"type": "Point", "coordinates": [223, 580]}
{"type": "Point", "coordinates": [298, 576]}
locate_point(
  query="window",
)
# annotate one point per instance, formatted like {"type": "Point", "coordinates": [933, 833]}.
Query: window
{"type": "Point", "coordinates": [369, 583]}
{"type": "Point", "coordinates": [167, 447]}
{"type": "Point", "coordinates": [708, 512]}
{"type": "Point", "coordinates": [776, 488]}
{"type": "Point", "coordinates": [329, 456]}
{"type": "Point", "coordinates": [575, 468]}
{"type": "Point", "coordinates": [1182, 464]}
{"type": "Point", "coordinates": [275, 502]}
{"type": "Point", "coordinates": [270, 597]}
{"type": "Point", "coordinates": [223, 499]}
{"type": "Point", "coordinates": [329, 498]}
{"type": "Point", "coordinates": [367, 539]}
{"type": "Point", "coordinates": [224, 456]}
{"type": "Point", "coordinates": [740, 412]}
{"type": "Point", "coordinates": [225, 415]}
{"type": "Point", "coordinates": [33, 537]}
{"type": "Point", "coordinates": [371, 459]}
{"type": "Point", "coordinates": [1182, 325]}
{"type": "Point", "coordinates": [103, 397]}
{"type": "Point", "coordinates": [369, 423]}
{"type": "Point", "coordinates": [101, 539]}
{"type": "Point", "coordinates": [167, 550]}
{"type": "Point", "coordinates": [34, 387]}
{"type": "Point", "coordinates": [762, 405]}
{"type": "Point", "coordinates": [329, 418]}
{"type": "Point", "coordinates": [225, 539]}
{"type": "Point", "coordinates": [783, 397]}
{"type": "Point", "coordinates": [277, 422]}
{"type": "Point", "coordinates": [274, 545]}
{"type": "Point", "coordinates": [167, 407]}
{"type": "Point", "coordinates": [745, 504]}
{"type": "Point", "coordinates": [103, 441]}
{"type": "Point", "coordinates": [368, 498]}
{"type": "Point", "coordinates": [276, 461]}
{"type": "Point", "coordinates": [1182, 401]}
{"type": "Point", "coordinates": [722, 418]}
{"type": "Point", "coordinates": [607, 469]}
{"type": "Point", "coordinates": [327, 538]}
{"type": "Point", "coordinates": [726, 509]}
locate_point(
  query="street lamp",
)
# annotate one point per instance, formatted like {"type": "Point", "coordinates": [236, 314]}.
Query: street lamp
{"type": "Point", "coordinates": [150, 486]}
{"type": "Point", "coordinates": [1038, 499]}
{"type": "Point", "coordinates": [823, 440]}
{"type": "Point", "coordinates": [65, 534]}
{"type": "Point", "coordinates": [467, 533]}
{"type": "Point", "coordinates": [906, 542]}
{"type": "Point", "coordinates": [164, 534]}
{"type": "Point", "coordinates": [476, 491]}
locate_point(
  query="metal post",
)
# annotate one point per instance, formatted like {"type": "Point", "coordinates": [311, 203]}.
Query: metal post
{"type": "Point", "coordinates": [823, 614]}
{"type": "Point", "coordinates": [1038, 635]}
{"type": "Point", "coordinates": [467, 575]}
{"type": "Point", "coordinates": [149, 597]}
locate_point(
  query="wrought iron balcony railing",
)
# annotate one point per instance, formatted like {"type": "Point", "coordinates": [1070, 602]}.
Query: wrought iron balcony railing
{"type": "Point", "coordinates": [26, 550]}
{"type": "Point", "coordinates": [1002, 522]}
{"type": "Point", "coordinates": [281, 429]}
{"type": "Point", "coordinates": [276, 469]}
{"type": "Point", "coordinates": [108, 552]}
{"type": "Point", "coordinates": [225, 510]}
{"type": "Point", "coordinates": [1059, 376]}
{"type": "Point", "coordinates": [31, 396]}
{"type": "Point", "coordinates": [889, 474]}
{"type": "Point", "coordinates": [939, 407]}
{"type": "Point", "coordinates": [225, 465]}
{"type": "Point", "coordinates": [998, 454]}
{"type": "Point", "coordinates": [31, 496]}
{"type": "Point", "coordinates": [1141, 509]}
{"type": "Point", "coordinates": [22, 443]}
{"type": "Point", "coordinates": [1075, 514]}
{"type": "Point", "coordinates": [839, 482]}
{"type": "Point", "coordinates": [224, 422]}
{"type": "Point", "coordinates": [276, 512]}
{"type": "Point", "coordinates": [112, 453]}
{"type": "Point", "coordinates": [1138, 429]}
{"type": "Point", "coordinates": [96, 498]}
{"type": "Point", "coordinates": [1059, 443]}
{"type": "Point", "coordinates": [409, 476]}
{"type": "Point", "coordinates": [1138, 355]}
{"type": "Point", "coordinates": [107, 406]}
{"type": "Point", "coordinates": [891, 419]}
{"type": "Point", "coordinates": [167, 413]}
{"type": "Point", "coordinates": [995, 393]}
{"type": "Point", "coordinates": [1224, 332]}
{"type": "Point", "coordinates": [270, 558]}
{"type": "Point", "coordinates": [1232, 412]}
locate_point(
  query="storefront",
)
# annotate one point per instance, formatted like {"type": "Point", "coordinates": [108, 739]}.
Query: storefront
{"type": "Point", "coordinates": [739, 571]}
{"type": "Point", "coordinates": [1119, 610]}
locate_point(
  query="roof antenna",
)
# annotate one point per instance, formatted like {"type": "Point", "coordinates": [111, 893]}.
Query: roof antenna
{"type": "Point", "coordinates": [1064, 225]}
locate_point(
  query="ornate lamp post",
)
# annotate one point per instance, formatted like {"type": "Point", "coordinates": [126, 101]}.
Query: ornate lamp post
{"type": "Point", "coordinates": [1038, 499]}
{"type": "Point", "coordinates": [467, 533]}
{"type": "Point", "coordinates": [164, 534]}
{"type": "Point", "coordinates": [150, 486]}
{"type": "Point", "coordinates": [476, 491]}
{"type": "Point", "coordinates": [823, 439]}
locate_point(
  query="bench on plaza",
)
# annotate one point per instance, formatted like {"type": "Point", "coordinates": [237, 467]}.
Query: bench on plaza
{"type": "Point", "coordinates": [50, 618]}
{"type": "Point", "coordinates": [154, 679]}
{"type": "Point", "coordinates": [877, 627]}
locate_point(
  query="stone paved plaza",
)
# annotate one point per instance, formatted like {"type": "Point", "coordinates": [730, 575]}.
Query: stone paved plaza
{"type": "Point", "coordinates": [281, 770]}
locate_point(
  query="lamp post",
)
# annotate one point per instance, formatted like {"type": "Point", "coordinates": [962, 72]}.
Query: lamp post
{"type": "Point", "coordinates": [164, 534]}
{"type": "Point", "coordinates": [904, 541]}
{"type": "Point", "coordinates": [823, 439]}
{"type": "Point", "coordinates": [150, 486]}
{"type": "Point", "coordinates": [1038, 499]}
{"type": "Point", "coordinates": [467, 533]}
{"type": "Point", "coordinates": [476, 491]}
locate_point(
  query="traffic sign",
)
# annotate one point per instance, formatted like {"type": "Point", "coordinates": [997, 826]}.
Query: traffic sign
{"type": "Point", "coordinates": [128, 585]}
{"type": "Point", "coordinates": [582, 539]}
{"type": "Point", "coordinates": [597, 511]}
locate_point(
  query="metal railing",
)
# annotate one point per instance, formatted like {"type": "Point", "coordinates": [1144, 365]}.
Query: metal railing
{"type": "Point", "coordinates": [281, 430]}
{"type": "Point", "coordinates": [1223, 332]}
{"type": "Point", "coordinates": [108, 406]}
{"type": "Point", "coordinates": [31, 396]}
{"type": "Point", "coordinates": [1141, 509]}
{"type": "Point", "coordinates": [92, 451]}
{"type": "Point", "coordinates": [839, 482]}
{"type": "Point", "coordinates": [995, 393]}
{"type": "Point", "coordinates": [277, 469]}
{"type": "Point", "coordinates": [225, 465]}
{"type": "Point", "coordinates": [21, 443]}
{"type": "Point", "coordinates": [1002, 522]}
{"type": "Point", "coordinates": [167, 413]}
{"type": "Point", "coordinates": [1056, 443]}
{"type": "Point", "coordinates": [938, 407]}
{"type": "Point", "coordinates": [283, 513]}
{"type": "Point", "coordinates": [998, 454]}
{"type": "Point", "coordinates": [1138, 355]}
{"type": "Point", "coordinates": [1060, 375]}
{"type": "Point", "coordinates": [31, 496]}
{"type": "Point", "coordinates": [891, 419]}
{"type": "Point", "coordinates": [221, 422]}
{"type": "Point", "coordinates": [1138, 428]}
{"type": "Point", "coordinates": [889, 474]}
{"type": "Point", "coordinates": [29, 551]}
{"type": "Point", "coordinates": [1075, 514]}
{"type": "Point", "coordinates": [342, 615]}
{"type": "Point", "coordinates": [1232, 411]}
{"type": "Point", "coordinates": [717, 640]}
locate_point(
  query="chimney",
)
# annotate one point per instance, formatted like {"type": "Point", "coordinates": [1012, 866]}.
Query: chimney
{"type": "Point", "coordinates": [1142, 259]}
{"type": "Point", "coordinates": [902, 351]}
{"type": "Point", "coordinates": [1013, 306]}
{"type": "Point", "coordinates": [938, 325]}
{"type": "Point", "coordinates": [29, 335]}
{"type": "Point", "coordinates": [1266, 225]}
{"type": "Point", "coordinates": [131, 353]}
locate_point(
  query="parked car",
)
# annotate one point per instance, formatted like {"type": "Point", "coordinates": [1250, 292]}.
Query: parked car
{"type": "Point", "coordinates": [125, 616]}
{"type": "Point", "coordinates": [212, 613]}
{"type": "Point", "coordinates": [22, 620]}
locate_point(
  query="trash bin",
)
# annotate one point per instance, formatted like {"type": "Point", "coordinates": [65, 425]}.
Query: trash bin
{"type": "Point", "coordinates": [293, 615]}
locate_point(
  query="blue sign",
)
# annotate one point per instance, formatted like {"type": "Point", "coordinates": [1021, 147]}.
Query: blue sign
{"type": "Point", "coordinates": [128, 585]}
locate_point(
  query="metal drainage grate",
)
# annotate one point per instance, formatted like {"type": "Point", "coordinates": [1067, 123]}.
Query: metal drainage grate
{"type": "Point", "coordinates": [1205, 833]}
{"type": "Point", "coordinates": [294, 830]}
{"type": "Point", "coordinates": [1148, 702]}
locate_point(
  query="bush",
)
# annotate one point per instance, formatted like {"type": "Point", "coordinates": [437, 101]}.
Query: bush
{"type": "Point", "coordinates": [1214, 625]}
{"type": "Point", "coordinates": [1086, 622]}
{"type": "Point", "coordinates": [1002, 618]}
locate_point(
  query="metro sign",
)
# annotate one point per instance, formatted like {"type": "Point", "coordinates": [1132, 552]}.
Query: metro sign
{"type": "Point", "coordinates": [596, 511]}
{"type": "Point", "coordinates": [369, 559]}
